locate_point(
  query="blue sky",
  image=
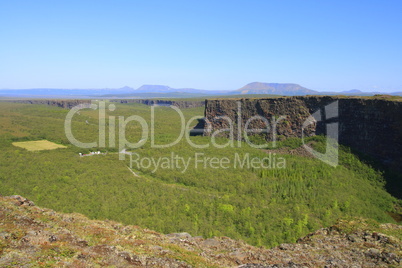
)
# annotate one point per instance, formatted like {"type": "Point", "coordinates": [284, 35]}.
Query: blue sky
{"type": "Point", "coordinates": [322, 45]}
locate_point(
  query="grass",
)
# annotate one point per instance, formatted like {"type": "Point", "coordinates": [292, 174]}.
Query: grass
{"type": "Point", "coordinates": [260, 206]}
{"type": "Point", "coordinates": [38, 145]}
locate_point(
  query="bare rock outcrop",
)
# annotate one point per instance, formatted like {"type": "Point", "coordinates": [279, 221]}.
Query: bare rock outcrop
{"type": "Point", "coordinates": [31, 236]}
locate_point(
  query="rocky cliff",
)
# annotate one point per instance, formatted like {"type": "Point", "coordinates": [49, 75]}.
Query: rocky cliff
{"type": "Point", "coordinates": [370, 125]}
{"type": "Point", "coordinates": [178, 103]}
{"type": "Point", "coordinates": [66, 104]}
{"type": "Point", "coordinates": [31, 236]}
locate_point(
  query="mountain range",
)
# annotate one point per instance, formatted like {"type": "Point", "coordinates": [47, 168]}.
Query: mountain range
{"type": "Point", "coordinates": [160, 91]}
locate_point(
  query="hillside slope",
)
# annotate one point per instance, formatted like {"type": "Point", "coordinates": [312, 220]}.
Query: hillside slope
{"type": "Point", "coordinates": [34, 236]}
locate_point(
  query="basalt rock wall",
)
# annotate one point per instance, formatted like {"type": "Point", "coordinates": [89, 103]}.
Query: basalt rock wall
{"type": "Point", "coordinates": [66, 104]}
{"type": "Point", "coordinates": [370, 125]}
{"type": "Point", "coordinates": [179, 104]}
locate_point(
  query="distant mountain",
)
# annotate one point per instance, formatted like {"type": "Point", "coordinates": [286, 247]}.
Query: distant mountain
{"type": "Point", "coordinates": [57, 92]}
{"type": "Point", "coordinates": [274, 88]}
{"type": "Point", "coordinates": [145, 91]}
{"type": "Point", "coordinates": [356, 92]}
{"type": "Point", "coordinates": [163, 91]}
{"type": "Point", "coordinates": [153, 95]}
{"type": "Point", "coordinates": [167, 89]}
{"type": "Point", "coordinates": [353, 91]}
{"type": "Point", "coordinates": [396, 93]}
{"type": "Point", "coordinates": [153, 89]}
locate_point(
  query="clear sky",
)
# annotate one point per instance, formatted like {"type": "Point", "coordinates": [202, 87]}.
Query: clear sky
{"type": "Point", "coordinates": [322, 45]}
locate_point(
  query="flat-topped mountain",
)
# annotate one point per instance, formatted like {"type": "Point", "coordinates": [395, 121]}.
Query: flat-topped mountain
{"type": "Point", "coordinates": [154, 88]}
{"type": "Point", "coordinates": [287, 89]}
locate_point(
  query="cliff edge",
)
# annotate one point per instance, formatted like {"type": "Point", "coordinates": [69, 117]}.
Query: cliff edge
{"type": "Point", "coordinates": [372, 126]}
{"type": "Point", "coordinates": [31, 236]}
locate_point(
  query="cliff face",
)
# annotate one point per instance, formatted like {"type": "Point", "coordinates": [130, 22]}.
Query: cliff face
{"type": "Point", "coordinates": [66, 104]}
{"type": "Point", "coordinates": [179, 104]}
{"type": "Point", "coordinates": [369, 125]}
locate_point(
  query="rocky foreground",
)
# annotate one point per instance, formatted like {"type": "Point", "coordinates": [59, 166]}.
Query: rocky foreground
{"type": "Point", "coordinates": [31, 236]}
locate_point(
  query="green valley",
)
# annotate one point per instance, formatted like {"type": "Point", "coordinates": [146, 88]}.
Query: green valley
{"type": "Point", "coordinates": [264, 206]}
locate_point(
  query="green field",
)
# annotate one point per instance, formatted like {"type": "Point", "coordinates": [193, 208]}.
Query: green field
{"type": "Point", "coordinates": [261, 206]}
{"type": "Point", "coordinates": [38, 145]}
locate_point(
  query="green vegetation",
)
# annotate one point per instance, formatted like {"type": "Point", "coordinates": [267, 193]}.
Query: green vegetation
{"type": "Point", "coordinates": [38, 145]}
{"type": "Point", "coordinates": [80, 242]}
{"type": "Point", "coordinates": [263, 206]}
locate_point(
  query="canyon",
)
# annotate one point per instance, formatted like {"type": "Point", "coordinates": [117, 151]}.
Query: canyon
{"type": "Point", "coordinates": [371, 126]}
